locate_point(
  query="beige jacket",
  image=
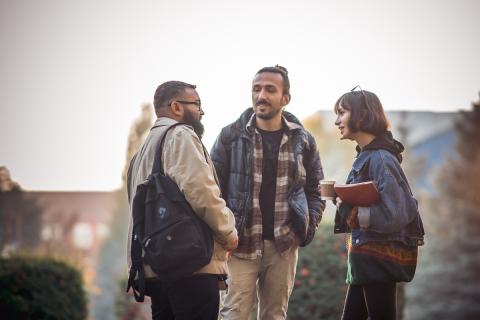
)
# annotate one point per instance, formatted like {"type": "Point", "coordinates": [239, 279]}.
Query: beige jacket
{"type": "Point", "coordinates": [185, 161]}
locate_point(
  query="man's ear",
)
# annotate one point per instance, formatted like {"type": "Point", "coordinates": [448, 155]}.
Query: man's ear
{"type": "Point", "coordinates": [176, 109]}
{"type": "Point", "coordinates": [286, 99]}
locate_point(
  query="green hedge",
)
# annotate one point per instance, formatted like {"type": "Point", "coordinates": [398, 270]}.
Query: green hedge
{"type": "Point", "coordinates": [320, 288]}
{"type": "Point", "coordinates": [40, 288]}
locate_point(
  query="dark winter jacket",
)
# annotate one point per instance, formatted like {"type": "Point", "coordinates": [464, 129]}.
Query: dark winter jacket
{"type": "Point", "coordinates": [232, 155]}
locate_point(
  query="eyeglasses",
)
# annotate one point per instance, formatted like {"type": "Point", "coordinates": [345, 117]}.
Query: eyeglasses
{"type": "Point", "coordinates": [355, 88]}
{"type": "Point", "coordinates": [198, 103]}
{"type": "Point", "coordinates": [362, 92]}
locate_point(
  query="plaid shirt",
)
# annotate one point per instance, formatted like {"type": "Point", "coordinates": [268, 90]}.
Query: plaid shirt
{"type": "Point", "coordinates": [251, 243]}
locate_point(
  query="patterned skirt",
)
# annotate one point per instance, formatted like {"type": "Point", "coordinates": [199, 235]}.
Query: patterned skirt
{"type": "Point", "coordinates": [385, 261]}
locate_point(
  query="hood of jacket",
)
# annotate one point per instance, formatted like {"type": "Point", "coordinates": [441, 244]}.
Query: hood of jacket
{"type": "Point", "coordinates": [385, 141]}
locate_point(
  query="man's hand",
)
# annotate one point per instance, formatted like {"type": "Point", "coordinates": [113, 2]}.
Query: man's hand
{"type": "Point", "coordinates": [231, 244]}
{"type": "Point", "coordinates": [352, 219]}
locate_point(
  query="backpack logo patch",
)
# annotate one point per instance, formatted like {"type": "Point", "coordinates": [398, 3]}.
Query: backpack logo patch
{"type": "Point", "coordinates": [162, 212]}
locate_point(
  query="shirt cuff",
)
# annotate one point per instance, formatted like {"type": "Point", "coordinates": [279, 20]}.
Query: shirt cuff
{"type": "Point", "coordinates": [364, 217]}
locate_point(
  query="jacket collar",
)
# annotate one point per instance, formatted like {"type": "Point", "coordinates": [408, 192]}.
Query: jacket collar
{"type": "Point", "coordinates": [383, 141]}
{"type": "Point", "coordinates": [163, 121]}
{"type": "Point", "coordinates": [247, 121]}
{"type": "Point", "coordinates": [360, 160]}
{"type": "Point", "coordinates": [386, 142]}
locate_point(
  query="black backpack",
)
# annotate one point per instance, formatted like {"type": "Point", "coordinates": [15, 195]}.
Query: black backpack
{"type": "Point", "coordinates": [167, 234]}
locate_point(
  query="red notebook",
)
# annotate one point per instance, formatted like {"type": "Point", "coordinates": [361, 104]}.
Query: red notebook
{"type": "Point", "coordinates": [362, 194]}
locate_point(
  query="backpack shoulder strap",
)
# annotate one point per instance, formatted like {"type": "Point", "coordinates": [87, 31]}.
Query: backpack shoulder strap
{"type": "Point", "coordinates": [157, 164]}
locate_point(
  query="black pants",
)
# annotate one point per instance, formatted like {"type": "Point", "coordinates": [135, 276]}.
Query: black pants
{"type": "Point", "coordinates": [192, 298]}
{"type": "Point", "coordinates": [376, 300]}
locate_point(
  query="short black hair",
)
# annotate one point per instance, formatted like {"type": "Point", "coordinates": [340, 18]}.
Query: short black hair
{"type": "Point", "coordinates": [366, 112]}
{"type": "Point", "coordinates": [283, 72]}
{"type": "Point", "coordinates": [168, 91]}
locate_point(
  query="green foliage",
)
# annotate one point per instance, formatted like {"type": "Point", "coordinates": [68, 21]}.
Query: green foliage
{"type": "Point", "coordinates": [320, 286]}
{"type": "Point", "coordinates": [40, 288]}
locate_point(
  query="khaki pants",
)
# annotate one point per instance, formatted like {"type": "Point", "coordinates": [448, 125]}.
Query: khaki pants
{"type": "Point", "coordinates": [268, 278]}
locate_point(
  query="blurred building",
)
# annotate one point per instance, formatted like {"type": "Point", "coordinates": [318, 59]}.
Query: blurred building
{"type": "Point", "coordinates": [66, 219]}
{"type": "Point", "coordinates": [82, 218]}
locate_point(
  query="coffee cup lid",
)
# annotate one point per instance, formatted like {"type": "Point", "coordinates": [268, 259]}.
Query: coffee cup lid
{"type": "Point", "coordinates": [327, 181]}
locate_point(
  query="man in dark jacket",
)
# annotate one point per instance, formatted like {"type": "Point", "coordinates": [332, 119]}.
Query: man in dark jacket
{"type": "Point", "coordinates": [269, 169]}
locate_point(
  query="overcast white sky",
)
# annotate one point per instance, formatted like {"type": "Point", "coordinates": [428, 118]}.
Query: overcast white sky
{"type": "Point", "coordinates": [73, 73]}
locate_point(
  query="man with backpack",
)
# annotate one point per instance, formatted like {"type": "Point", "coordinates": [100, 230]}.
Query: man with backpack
{"type": "Point", "coordinates": [186, 163]}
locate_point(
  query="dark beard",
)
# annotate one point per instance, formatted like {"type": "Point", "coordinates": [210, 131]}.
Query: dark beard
{"type": "Point", "coordinates": [269, 115]}
{"type": "Point", "coordinates": [265, 116]}
{"type": "Point", "coordinates": [198, 127]}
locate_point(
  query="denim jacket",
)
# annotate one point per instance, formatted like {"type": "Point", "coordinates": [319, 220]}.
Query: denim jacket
{"type": "Point", "coordinates": [395, 217]}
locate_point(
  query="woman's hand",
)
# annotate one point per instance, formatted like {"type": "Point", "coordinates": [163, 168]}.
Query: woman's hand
{"type": "Point", "coordinates": [338, 202]}
{"type": "Point", "coordinates": [352, 219]}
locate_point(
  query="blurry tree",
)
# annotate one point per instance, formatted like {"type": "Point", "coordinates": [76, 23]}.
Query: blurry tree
{"type": "Point", "coordinates": [113, 256]}
{"type": "Point", "coordinates": [20, 216]}
{"type": "Point", "coordinates": [138, 132]}
{"type": "Point", "coordinates": [460, 185]}
{"type": "Point", "coordinates": [449, 270]}
{"type": "Point", "coordinates": [460, 178]}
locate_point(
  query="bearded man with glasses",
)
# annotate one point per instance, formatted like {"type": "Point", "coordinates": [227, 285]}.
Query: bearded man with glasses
{"type": "Point", "coordinates": [185, 160]}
